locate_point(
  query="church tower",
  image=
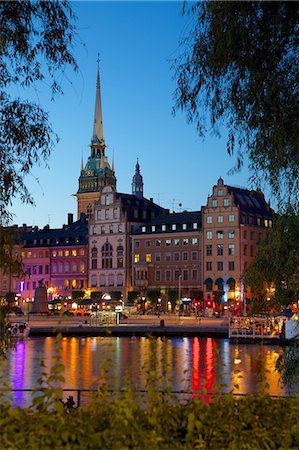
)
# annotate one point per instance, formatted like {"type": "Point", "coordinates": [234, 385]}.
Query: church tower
{"type": "Point", "coordinates": [137, 182]}
{"type": "Point", "coordinates": [97, 172]}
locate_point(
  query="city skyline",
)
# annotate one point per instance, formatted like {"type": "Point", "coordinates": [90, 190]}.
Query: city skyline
{"type": "Point", "coordinates": [137, 100]}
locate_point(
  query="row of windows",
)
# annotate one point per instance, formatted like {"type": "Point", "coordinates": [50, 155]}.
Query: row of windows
{"type": "Point", "coordinates": [171, 227]}
{"type": "Point", "coordinates": [220, 234]}
{"type": "Point", "coordinates": [56, 284]}
{"type": "Point", "coordinates": [67, 267]}
{"type": "Point", "coordinates": [74, 252]}
{"type": "Point", "coordinates": [30, 254]}
{"type": "Point", "coordinates": [220, 265]}
{"type": "Point", "coordinates": [57, 241]}
{"type": "Point", "coordinates": [220, 218]}
{"type": "Point", "coordinates": [168, 257]}
{"type": "Point", "coordinates": [34, 270]}
{"type": "Point", "coordinates": [169, 242]}
{"type": "Point", "coordinates": [107, 214]}
{"type": "Point", "coordinates": [220, 249]}
{"type": "Point", "coordinates": [215, 202]}
{"type": "Point", "coordinates": [110, 280]}
{"type": "Point", "coordinates": [107, 256]}
{"type": "Point", "coordinates": [169, 275]}
{"type": "Point", "coordinates": [105, 229]}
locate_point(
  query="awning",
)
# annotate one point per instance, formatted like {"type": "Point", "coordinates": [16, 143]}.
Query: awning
{"type": "Point", "coordinates": [208, 281]}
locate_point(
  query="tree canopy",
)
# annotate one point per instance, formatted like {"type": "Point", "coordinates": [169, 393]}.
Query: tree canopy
{"type": "Point", "coordinates": [275, 270]}
{"type": "Point", "coordinates": [239, 67]}
{"type": "Point", "coordinates": [36, 44]}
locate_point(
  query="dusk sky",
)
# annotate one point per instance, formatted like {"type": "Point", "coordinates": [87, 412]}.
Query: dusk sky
{"type": "Point", "coordinates": [136, 42]}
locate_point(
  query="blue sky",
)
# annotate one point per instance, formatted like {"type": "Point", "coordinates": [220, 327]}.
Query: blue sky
{"type": "Point", "coordinates": [136, 41]}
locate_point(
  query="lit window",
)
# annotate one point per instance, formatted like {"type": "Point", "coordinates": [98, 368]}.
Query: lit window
{"type": "Point", "coordinates": [136, 258]}
{"type": "Point", "coordinates": [209, 219]}
{"type": "Point", "coordinates": [74, 252]}
{"type": "Point", "coordinates": [148, 258]}
{"type": "Point", "coordinates": [220, 219]}
{"type": "Point", "coordinates": [266, 223]}
{"type": "Point", "coordinates": [66, 253]}
{"type": "Point", "coordinates": [231, 218]}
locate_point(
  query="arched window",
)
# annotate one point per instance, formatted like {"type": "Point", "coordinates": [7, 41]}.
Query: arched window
{"type": "Point", "coordinates": [107, 252]}
{"type": "Point", "coordinates": [94, 258]}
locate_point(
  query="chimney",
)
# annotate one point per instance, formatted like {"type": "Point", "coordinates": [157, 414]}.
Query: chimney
{"type": "Point", "coordinates": [70, 218]}
{"type": "Point", "coordinates": [151, 199]}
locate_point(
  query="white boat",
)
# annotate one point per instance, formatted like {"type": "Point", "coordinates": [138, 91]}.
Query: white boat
{"type": "Point", "coordinates": [19, 330]}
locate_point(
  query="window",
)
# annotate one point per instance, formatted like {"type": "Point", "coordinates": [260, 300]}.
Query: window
{"type": "Point", "coordinates": [209, 234]}
{"type": "Point", "coordinates": [46, 269]}
{"type": "Point", "coordinates": [244, 234]}
{"type": "Point", "coordinates": [120, 228]}
{"type": "Point", "coordinates": [107, 200]}
{"type": "Point", "coordinates": [99, 214]}
{"type": "Point", "coordinates": [136, 258]}
{"type": "Point", "coordinates": [251, 235]}
{"type": "Point", "coordinates": [103, 229]}
{"type": "Point", "coordinates": [89, 210]}
{"type": "Point", "coordinates": [120, 279]}
{"type": "Point", "coordinates": [220, 219]}
{"type": "Point", "coordinates": [176, 242]}
{"type": "Point", "coordinates": [158, 275]}
{"type": "Point", "coordinates": [245, 250]}
{"type": "Point", "coordinates": [225, 202]}
{"type": "Point", "coordinates": [194, 241]}
{"type": "Point", "coordinates": [168, 242]}
{"type": "Point", "coordinates": [136, 244]}
{"type": "Point", "coordinates": [220, 234]}
{"type": "Point", "coordinates": [209, 265]}
{"type": "Point", "coordinates": [177, 275]}
{"type": "Point", "coordinates": [185, 275]}
{"type": "Point", "coordinates": [209, 250]}
{"type": "Point", "coordinates": [111, 229]}
{"type": "Point", "coordinates": [266, 223]}
{"type": "Point", "coordinates": [168, 275]}
{"type": "Point", "coordinates": [158, 242]}
{"type": "Point", "coordinates": [231, 218]}
{"type": "Point", "coordinates": [110, 279]}
{"type": "Point", "coordinates": [40, 270]}
{"type": "Point", "coordinates": [82, 267]}
{"type": "Point", "coordinates": [231, 234]}
{"type": "Point", "coordinates": [143, 229]}
{"type": "Point", "coordinates": [157, 256]}
{"type": "Point", "coordinates": [231, 265]}
{"type": "Point", "coordinates": [209, 219]}
{"type": "Point", "coordinates": [120, 256]}
{"type": "Point", "coordinates": [167, 256]}
{"type": "Point", "coordinates": [220, 192]}
{"type": "Point", "coordinates": [34, 270]}
{"type": "Point", "coordinates": [185, 256]}
{"type": "Point", "coordinates": [163, 227]}
{"type": "Point", "coordinates": [231, 249]}
{"type": "Point", "coordinates": [173, 227]}
{"type": "Point", "coordinates": [176, 256]}
{"type": "Point", "coordinates": [153, 228]}
{"type": "Point", "coordinates": [120, 263]}
{"type": "Point", "coordinates": [102, 280]}
{"type": "Point", "coordinates": [94, 256]}
{"type": "Point", "coordinates": [194, 274]}
{"type": "Point", "coordinates": [148, 258]}
{"type": "Point", "coordinates": [115, 213]}
{"type": "Point", "coordinates": [270, 223]}
{"type": "Point", "coordinates": [214, 202]}
{"type": "Point", "coordinates": [219, 265]}
{"type": "Point", "coordinates": [74, 253]}
{"type": "Point", "coordinates": [258, 221]}
{"type": "Point", "coordinates": [184, 226]}
{"type": "Point", "coordinates": [67, 253]}
{"type": "Point", "coordinates": [195, 226]}
{"type": "Point", "coordinates": [74, 267]}
{"type": "Point", "coordinates": [107, 251]}
{"type": "Point", "coordinates": [251, 250]}
{"type": "Point", "coordinates": [185, 241]}
{"type": "Point", "coordinates": [194, 256]}
{"type": "Point", "coordinates": [147, 244]}
{"type": "Point", "coordinates": [107, 214]}
{"type": "Point", "coordinates": [219, 249]}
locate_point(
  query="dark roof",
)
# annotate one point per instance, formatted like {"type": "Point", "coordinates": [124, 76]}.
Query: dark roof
{"type": "Point", "coordinates": [188, 218]}
{"type": "Point", "coordinates": [250, 201]}
{"type": "Point", "coordinates": [71, 234]}
{"type": "Point", "coordinates": [131, 203]}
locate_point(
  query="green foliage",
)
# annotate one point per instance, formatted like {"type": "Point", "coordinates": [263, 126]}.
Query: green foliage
{"type": "Point", "coordinates": [10, 263]}
{"type": "Point", "coordinates": [239, 66]}
{"type": "Point", "coordinates": [133, 296]}
{"type": "Point", "coordinates": [274, 272]}
{"type": "Point", "coordinates": [288, 363]}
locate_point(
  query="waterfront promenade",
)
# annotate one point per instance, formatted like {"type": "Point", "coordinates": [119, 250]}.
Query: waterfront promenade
{"type": "Point", "coordinates": [164, 325]}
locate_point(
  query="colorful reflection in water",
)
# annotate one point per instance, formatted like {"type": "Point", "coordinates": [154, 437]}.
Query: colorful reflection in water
{"type": "Point", "coordinates": [180, 363]}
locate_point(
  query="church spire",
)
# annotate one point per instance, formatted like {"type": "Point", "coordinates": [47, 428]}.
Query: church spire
{"type": "Point", "coordinates": [98, 134]}
{"type": "Point", "coordinates": [137, 182]}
